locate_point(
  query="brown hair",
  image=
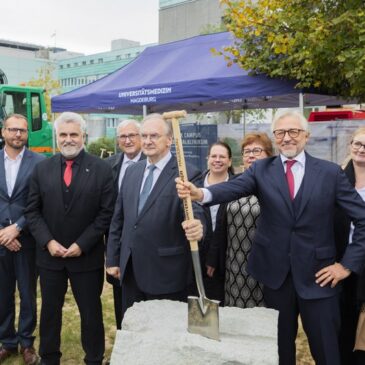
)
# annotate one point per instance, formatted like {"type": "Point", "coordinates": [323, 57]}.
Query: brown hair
{"type": "Point", "coordinates": [258, 137]}
{"type": "Point", "coordinates": [17, 116]}
{"type": "Point", "coordinates": [229, 151]}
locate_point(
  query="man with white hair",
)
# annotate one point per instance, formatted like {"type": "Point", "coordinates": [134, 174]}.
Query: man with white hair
{"type": "Point", "coordinates": [129, 142]}
{"type": "Point", "coordinates": [69, 209]}
{"type": "Point", "coordinates": [294, 250]}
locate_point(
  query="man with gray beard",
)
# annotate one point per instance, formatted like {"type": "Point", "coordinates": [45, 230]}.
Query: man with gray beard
{"type": "Point", "coordinates": [69, 210]}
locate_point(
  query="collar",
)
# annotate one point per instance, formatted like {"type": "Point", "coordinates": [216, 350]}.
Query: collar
{"type": "Point", "coordinates": [17, 158]}
{"type": "Point", "coordinates": [77, 159]}
{"type": "Point", "coordinates": [300, 158]}
{"type": "Point", "coordinates": [162, 163]}
{"type": "Point", "coordinates": [134, 159]}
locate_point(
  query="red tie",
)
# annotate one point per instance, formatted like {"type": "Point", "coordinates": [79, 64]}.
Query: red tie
{"type": "Point", "coordinates": [290, 177]}
{"type": "Point", "coordinates": [67, 176]}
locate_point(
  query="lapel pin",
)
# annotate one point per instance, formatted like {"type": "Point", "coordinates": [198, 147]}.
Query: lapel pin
{"type": "Point", "coordinates": [87, 170]}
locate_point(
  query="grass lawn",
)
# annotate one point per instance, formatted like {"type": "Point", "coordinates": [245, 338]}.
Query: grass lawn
{"type": "Point", "coordinates": [72, 352]}
{"type": "Point", "coordinates": [71, 346]}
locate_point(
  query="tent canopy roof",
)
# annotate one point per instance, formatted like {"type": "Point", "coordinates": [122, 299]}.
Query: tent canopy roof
{"type": "Point", "coordinates": [184, 75]}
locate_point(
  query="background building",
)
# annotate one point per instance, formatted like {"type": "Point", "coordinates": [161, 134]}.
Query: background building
{"type": "Point", "coordinates": [180, 19]}
{"type": "Point", "coordinates": [21, 61]}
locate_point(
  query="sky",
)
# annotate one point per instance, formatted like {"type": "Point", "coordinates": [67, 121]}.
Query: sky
{"type": "Point", "coordinates": [86, 26]}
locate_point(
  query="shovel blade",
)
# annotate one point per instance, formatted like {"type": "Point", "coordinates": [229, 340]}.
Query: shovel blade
{"type": "Point", "coordinates": [205, 324]}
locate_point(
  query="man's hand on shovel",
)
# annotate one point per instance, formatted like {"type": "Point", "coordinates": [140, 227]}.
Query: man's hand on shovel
{"type": "Point", "coordinates": [184, 189]}
{"type": "Point", "coordinates": [193, 229]}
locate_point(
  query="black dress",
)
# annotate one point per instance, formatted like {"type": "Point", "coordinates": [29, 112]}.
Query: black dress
{"type": "Point", "coordinates": [353, 291]}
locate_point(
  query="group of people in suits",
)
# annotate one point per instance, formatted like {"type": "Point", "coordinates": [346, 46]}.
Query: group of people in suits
{"type": "Point", "coordinates": [55, 215]}
{"type": "Point", "coordinates": [294, 253]}
{"type": "Point", "coordinates": [62, 209]}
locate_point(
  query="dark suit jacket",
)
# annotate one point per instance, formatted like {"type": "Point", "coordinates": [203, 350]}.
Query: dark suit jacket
{"type": "Point", "coordinates": [154, 240]}
{"type": "Point", "coordinates": [354, 286]}
{"type": "Point", "coordinates": [115, 163]}
{"type": "Point", "coordinates": [301, 243]}
{"type": "Point", "coordinates": [12, 208]}
{"type": "Point", "coordinates": [215, 243]}
{"type": "Point", "coordinates": [84, 221]}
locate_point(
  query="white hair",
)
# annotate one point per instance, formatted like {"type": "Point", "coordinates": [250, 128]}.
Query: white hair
{"type": "Point", "coordinates": [159, 116]}
{"type": "Point", "coordinates": [290, 113]}
{"type": "Point", "coordinates": [126, 122]}
{"type": "Point", "coordinates": [70, 117]}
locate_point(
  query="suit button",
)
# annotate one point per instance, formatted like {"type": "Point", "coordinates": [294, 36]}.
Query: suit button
{"type": "Point", "coordinates": [135, 227]}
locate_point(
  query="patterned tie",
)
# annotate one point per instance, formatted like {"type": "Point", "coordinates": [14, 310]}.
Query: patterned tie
{"type": "Point", "coordinates": [290, 177]}
{"type": "Point", "coordinates": [67, 176]}
{"type": "Point", "coordinates": [146, 188]}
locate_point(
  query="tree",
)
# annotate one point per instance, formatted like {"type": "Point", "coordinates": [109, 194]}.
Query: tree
{"type": "Point", "coordinates": [45, 80]}
{"type": "Point", "coordinates": [320, 43]}
{"type": "Point", "coordinates": [101, 147]}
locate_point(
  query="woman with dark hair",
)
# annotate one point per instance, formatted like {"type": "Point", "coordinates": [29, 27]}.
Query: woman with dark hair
{"type": "Point", "coordinates": [352, 299]}
{"type": "Point", "coordinates": [241, 290]}
{"type": "Point", "coordinates": [213, 250]}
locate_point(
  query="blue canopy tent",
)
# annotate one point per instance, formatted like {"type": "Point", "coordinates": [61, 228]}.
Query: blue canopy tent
{"type": "Point", "coordinates": [184, 75]}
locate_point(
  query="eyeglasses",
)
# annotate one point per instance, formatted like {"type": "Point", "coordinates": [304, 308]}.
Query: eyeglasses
{"type": "Point", "coordinates": [16, 130]}
{"type": "Point", "coordinates": [293, 133]}
{"type": "Point", "coordinates": [255, 151]}
{"type": "Point", "coordinates": [132, 137]}
{"type": "Point", "coordinates": [153, 136]}
{"type": "Point", "coordinates": [356, 145]}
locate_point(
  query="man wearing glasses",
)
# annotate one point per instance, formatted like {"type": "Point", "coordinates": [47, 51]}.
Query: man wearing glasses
{"type": "Point", "coordinates": [17, 246]}
{"type": "Point", "coordinates": [129, 142]}
{"type": "Point", "coordinates": [294, 251]}
{"type": "Point", "coordinates": [147, 246]}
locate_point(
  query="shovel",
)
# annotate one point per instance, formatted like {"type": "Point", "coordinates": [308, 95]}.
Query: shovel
{"type": "Point", "coordinates": [203, 316]}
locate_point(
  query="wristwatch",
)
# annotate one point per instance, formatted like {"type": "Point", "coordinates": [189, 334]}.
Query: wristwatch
{"type": "Point", "coordinates": [18, 228]}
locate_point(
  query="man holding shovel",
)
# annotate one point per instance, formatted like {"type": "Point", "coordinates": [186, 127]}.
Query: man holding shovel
{"type": "Point", "coordinates": [147, 246]}
{"type": "Point", "coordinates": [294, 251]}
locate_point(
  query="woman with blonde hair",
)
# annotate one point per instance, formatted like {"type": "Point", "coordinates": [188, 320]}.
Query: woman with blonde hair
{"type": "Point", "coordinates": [241, 290]}
{"type": "Point", "coordinates": [352, 299]}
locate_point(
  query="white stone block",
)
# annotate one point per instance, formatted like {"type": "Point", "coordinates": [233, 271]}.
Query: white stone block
{"type": "Point", "coordinates": [155, 333]}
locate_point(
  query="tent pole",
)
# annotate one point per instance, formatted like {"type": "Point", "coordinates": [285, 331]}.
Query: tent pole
{"type": "Point", "coordinates": [301, 103]}
{"type": "Point", "coordinates": [53, 136]}
{"type": "Point", "coordinates": [144, 111]}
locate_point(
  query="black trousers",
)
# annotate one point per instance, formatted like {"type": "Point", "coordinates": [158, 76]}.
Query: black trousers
{"type": "Point", "coordinates": [117, 296]}
{"type": "Point", "coordinates": [132, 294]}
{"type": "Point", "coordinates": [17, 269]}
{"type": "Point", "coordinates": [321, 323]}
{"type": "Point", "coordinates": [86, 288]}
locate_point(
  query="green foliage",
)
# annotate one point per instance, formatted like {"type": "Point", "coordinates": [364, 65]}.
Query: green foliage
{"type": "Point", "coordinates": [320, 43]}
{"type": "Point", "coordinates": [236, 116]}
{"type": "Point", "coordinates": [101, 147]}
{"type": "Point", "coordinates": [46, 81]}
{"type": "Point", "coordinates": [236, 151]}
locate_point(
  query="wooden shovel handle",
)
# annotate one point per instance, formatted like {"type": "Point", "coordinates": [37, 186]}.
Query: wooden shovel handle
{"type": "Point", "coordinates": [188, 207]}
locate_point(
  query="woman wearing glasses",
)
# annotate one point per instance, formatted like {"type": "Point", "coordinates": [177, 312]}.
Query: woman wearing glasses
{"type": "Point", "coordinates": [352, 298]}
{"type": "Point", "coordinates": [241, 290]}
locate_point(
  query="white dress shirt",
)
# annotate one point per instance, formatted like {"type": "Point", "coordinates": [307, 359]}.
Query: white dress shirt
{"type": "Point", "coordinates": [126, 162]}
{"type": "Point", "coordinates": [362, 194]}
{"type": "Point", "coordinates": [214, 208]}
{"type": "Point", "coordinates": [297, 169]}
{"type": "Point", "coordinates": [160, 165]}
{"type": "Point", "coordinates": [12, 169]}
